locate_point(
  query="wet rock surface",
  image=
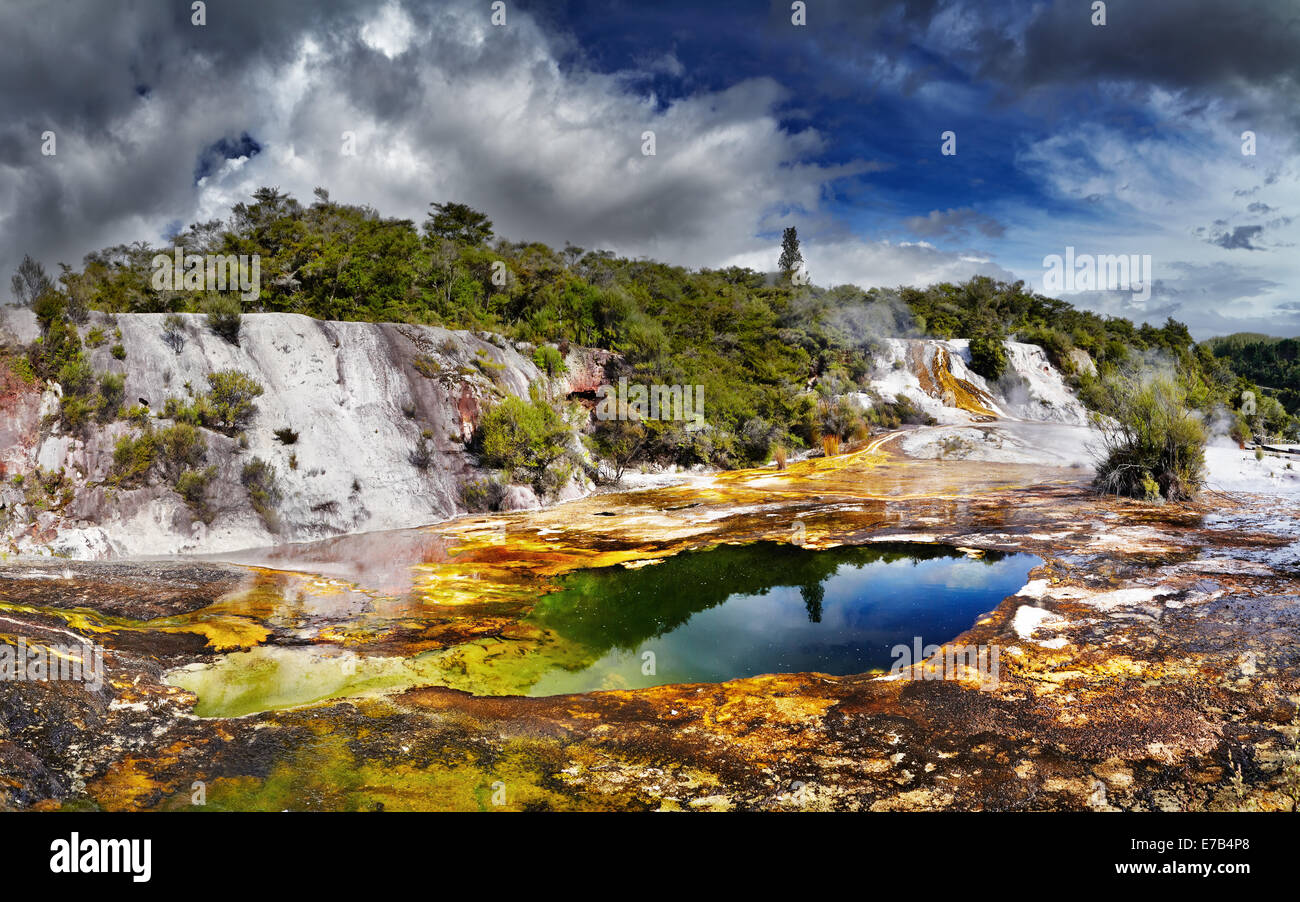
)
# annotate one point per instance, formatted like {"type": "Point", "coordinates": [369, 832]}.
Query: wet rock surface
{"type": "Point", "coordinates": [1150, 663]}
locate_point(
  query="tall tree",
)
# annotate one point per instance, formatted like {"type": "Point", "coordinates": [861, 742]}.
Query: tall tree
{"type": "Point", "coordinates": [790, 255]}
{"type": "Point", "coordinates": [30, 281]}
{"type": "Point", "coordinates": [458, 222]}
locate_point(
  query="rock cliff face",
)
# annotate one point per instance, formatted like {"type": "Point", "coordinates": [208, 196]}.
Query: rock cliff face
{"type": "Point", "coordinates": [935, 376]}
{"type": "Point", "coordinates": [360, 396]}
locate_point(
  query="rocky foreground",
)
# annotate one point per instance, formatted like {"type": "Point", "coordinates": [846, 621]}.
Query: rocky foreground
{"type": "Point", "coordinates": [1150, 663]}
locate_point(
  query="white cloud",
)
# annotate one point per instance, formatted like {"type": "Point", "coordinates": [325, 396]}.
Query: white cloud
{"type": "Point", "coordinates": [1168, 196]}
{"type": "Point", "coordinates": [446, 107]}
{"type": "Point", "coordinates": [872, 264]}
{"type": "Point", "coordinates": [390, 32]}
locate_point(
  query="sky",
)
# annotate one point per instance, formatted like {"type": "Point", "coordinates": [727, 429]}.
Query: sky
{"type": "Point", "coordinates": [1116, 138]}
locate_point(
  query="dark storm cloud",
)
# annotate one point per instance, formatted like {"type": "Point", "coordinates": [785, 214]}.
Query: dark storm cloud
{"type": "Point", "coordinates": [1024, 43]}
{"type": "Point", "coordinates": [1240, 53]}
{"type": "Point", "coordinates": [225, 149]}
{"type": "Point", "coordinates": [80, 64]}
{"type": "Point", "coordinates": [441, 105]}
{"type": "Point", "coordinates": [514, 121]}
{"type": "Point", "coordinates": [954, 222]}
{"type": "Point", "coordinates": [1243, 52]}
{"type": "Point", "coordinates": [1240, 238]}
{"type": "Point", "coordinates": [1202, 43]}
{"type": "Point", "coordinates": [143, 103]}
{"type": "Point", "coordinates": [134, 94]}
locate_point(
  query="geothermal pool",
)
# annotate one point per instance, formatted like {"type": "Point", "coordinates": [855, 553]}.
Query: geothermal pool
{"type": "Point", "coordinates": [740, 611]}
{"type": "Point", "coordinates": [702, 616]}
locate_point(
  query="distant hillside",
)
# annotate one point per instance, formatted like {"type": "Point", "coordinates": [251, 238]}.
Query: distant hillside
{"type": "Point", "coordinates": [1271, 363]}
{"type": "Point", "coordinates": [1238, 339]}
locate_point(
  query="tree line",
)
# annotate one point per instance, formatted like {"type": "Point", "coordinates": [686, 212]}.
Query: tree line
{"type": "Point", "coordinates": [775, 355]}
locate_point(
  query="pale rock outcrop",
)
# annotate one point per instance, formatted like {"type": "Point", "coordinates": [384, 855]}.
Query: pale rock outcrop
{"type": "Point", "coordinates": [359, 396]}
{"type": "Point", "coordinates": [18, 325]}
{"type": "Point", "coordinates": [935, 376]}
{"type": "Point", "coordinates": [1082, 362]}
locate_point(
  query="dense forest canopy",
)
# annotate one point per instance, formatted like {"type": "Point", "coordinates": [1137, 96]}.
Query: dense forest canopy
{"type": "Point", "coordinates": [773, 354]}
{"type": "Point", "coordinates": [1271, 363]}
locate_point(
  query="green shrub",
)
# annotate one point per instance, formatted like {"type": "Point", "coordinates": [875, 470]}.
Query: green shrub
{"type": "Point", "coordinates": [224, 317]}
{"type": "Point", "coordinates": [22, 368]}
{"type": "Point", "coordinates": [118, 352]}
{"type": "Point", "coordinates": [197, 413]}
{"type": "Point", "coordinates": [909, 414]}
{"type": "Point", "coordinates": [550, 361]}
{"type": "Point", "coordinates": [112, 389]}
{"type": "Point", "coordinates": [174, 332]}
{"type": "Point", "coordinates": [86, 397]}
{"type": "Point", "coordinates": [841, 418]}
{"type": "Point", "coordinates": [490, 368]}
{"type": "Point", "coordinates": [756, 437]}
{"type": "Point", "coordinates": [49, 306]}
{"type": "Point", "coordinates": [57, 346]}
{"type": "Point", "coordinates": [95, 337]}
{"type": "Point", "coordinates": [483, 495]}
{"type": "Point", "coordinates": [231, 399]}
{"type": "Point", "coordinates": [180, 447]}
{"type": "Point", "coordinates": [171, 452]}
{"type": "Point", "coordinates": [46, 490]}
{"type": "Point", "coordinates": [258, 477]}
{"type": "Point", "coordinates": [192, 486]}
{"type": "Point", "coordinates": [988, 357]}
{"type": "Point", "coordinates": [286, 436]}
{"type": "Point", "coordinates": [617, 440]}
{"type": "Point", "coordinates": [554, 477]}
{"type": "Point", "coordinates": [77, 378]}
{"type": "Point", "coordinates": [884, 416]}
{"type": "Point", "coordinates": [426, 366]}
{"type": "Point", "coordinates": [1240, 429]}
{"type": "Point", "coordinates": [1092, 391]}
{"type": "Point", "coordinates": [1056, 344]}
{"type": "Point", "coordinates": [1153, 447]}
{"type": "Point", "coordinates": [137, 415]}
{"type": "Point", "coordinates": [133, 459]}
{"type": "Point", "coordinates": [901, 411]}
{"type": "Point", "coordinates": [523, 438]}
{"type": "Point", "coordinates": [1270, 421]}
{"type": "Point", "coordinates": [77, 414]}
